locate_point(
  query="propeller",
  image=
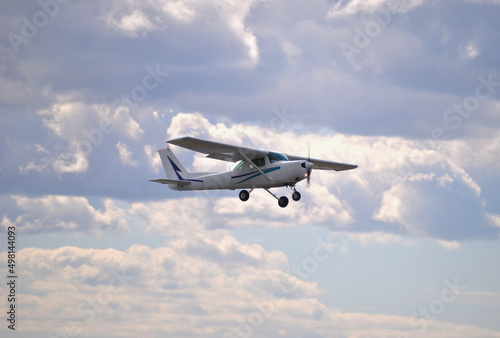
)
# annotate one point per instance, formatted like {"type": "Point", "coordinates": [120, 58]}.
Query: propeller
{"type": "Point", "coordinates": [309, 160]}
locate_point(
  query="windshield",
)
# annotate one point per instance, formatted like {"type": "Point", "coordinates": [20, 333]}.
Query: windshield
{"type": "Point", "coordinates": [276, 157]}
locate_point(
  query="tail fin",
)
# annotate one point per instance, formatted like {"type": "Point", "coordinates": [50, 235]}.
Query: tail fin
{"type": "Point", "coordinates": [173, 168]}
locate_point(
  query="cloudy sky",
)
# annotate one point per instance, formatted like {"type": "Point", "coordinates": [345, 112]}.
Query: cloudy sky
{"type": "Point", "coordinates": [407, 245]}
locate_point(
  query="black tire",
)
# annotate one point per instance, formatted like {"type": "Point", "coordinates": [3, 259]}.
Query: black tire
{"type": "Point", "coordinates": [244, 195]}
{"type": "Point", "coordinates": [296, 196]}
{"type": "Point", "coordinates": [283, 201]}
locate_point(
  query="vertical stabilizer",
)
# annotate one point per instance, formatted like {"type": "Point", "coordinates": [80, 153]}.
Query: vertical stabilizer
{"type": "Point", "coordinates": [173, 168]}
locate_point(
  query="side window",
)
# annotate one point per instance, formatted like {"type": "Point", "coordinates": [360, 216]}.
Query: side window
{"type": "Point", "coordinates": [239, 165]}
{"type": "Point", "coordinates": [259, 162]}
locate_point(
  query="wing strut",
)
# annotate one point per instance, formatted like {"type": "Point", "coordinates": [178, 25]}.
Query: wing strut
{"type": "Point", "coordinates": [256, 167]}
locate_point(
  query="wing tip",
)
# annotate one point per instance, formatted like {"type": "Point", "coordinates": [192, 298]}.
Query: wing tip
{"type": "Point", "coordinates": [349, 167]}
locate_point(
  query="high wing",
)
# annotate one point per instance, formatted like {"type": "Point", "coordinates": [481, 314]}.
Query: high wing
{"type": "Point", "coordinates": [324, 165]}
{"type": "Point", "coordinates": [232, 153]}
{"type": "Point", "coordinates": [216, 150]}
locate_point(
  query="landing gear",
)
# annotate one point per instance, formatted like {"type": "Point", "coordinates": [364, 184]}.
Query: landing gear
{"type": "Point", "coordinates": [244, 195]}
{"type": "Point", "coordinates": [296, 195]}
{"type": "Point", "coordinates": [283, 201]}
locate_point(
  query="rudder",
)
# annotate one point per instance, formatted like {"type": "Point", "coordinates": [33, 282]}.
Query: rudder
{"type": "Point", "coordinates": [173, 168]}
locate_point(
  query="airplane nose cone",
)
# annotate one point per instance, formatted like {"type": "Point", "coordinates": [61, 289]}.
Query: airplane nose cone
{"type": "Point", "coordinates": [309, 165]}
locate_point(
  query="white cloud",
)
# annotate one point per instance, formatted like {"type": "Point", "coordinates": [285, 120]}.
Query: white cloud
{"type": "Point", "coordinates": [494, 219]}
{"type": "Point", "coordinates": [73, 160]}
{"type": "Point", "coordinates": [83, 127]}
{"type": "Point", "coordinates": [180, 11]}
{"type": "Point", "coordinates": [352, 7]}
{"type": "Point", "coordinates": [378, 237]}
{"type": "Point", "coordinates": [410, 184]}
{"type": "Point", "coordinates": [126, 155]}
{"type": "Point", "coordinates": [390, 209]}
{"type": "Point", "coordinates": [424, 206]}
{"type": "Point", "coordinates": [75, 121]}
{"type": "Point", "coordinates": [449, 245]}
{"type": "Point", "coordinates": [138, 17]}
{"type": "Point", "coordinates": [469, 51]}
{"type": "Point", "coordinates": [234, 13]}
{"type": "Point", "coordinates": [26, 168]}
{"type": "Point", "coordinates": [474, 152]}
{"type": "Point", "coordinates": [292, 51]}
{"type": "Point", "coordinates": [66, 120]}
{"type": "Point", "coordinates": [66, 213]}
{"type": "Point", "coordinates": [120, 119]}
{"type": "Point", "coordinates": [186, 124]}
{"type": "Point", "coordinates": [167, 217]}
{"type": "Point", "coordinates": [209, 209]}
{"type": "Point", "coordinates": [97, 291]}
{"type": "Point", "coordinates": [133, 23]}
{"type": "Point", "coordinates": [153, 158]}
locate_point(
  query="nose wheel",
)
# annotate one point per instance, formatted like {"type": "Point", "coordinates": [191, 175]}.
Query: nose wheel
{"type": "Point", "coordinates": [296, 196]}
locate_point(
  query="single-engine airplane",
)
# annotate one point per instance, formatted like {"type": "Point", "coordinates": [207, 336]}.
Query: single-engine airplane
{"type": "Point", "coordinates": [256, 169]}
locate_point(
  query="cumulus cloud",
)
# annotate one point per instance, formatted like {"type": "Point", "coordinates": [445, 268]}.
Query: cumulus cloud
{"type": "Point", "coordinates": [66, 213]}
{"type": "Point", "coordinates": [378, 237]}
{"type": "Point", "coordinates": [180, 11]}
{"type": "Point", "coordinates": [420, 186]}
{"type": "Point", "coordinates": [228, 17]}
{"type": "Point", "coordinates": [164, 288]}
{"type": "Point", "coordinates": [126, 155]}
{"type": "Point", "coordinates": [153, 158]}
{"type": "Point", "coordinates": [211, 210]}
{"type": "Point", "coordinates": [424, 207]}
{"type": "Point", "coordinates": [133, 24]}
{"type": "Point", "coordinates": [215, 279]}
{"type": "Point", "coordinates": [83, 127]}
{"type": "Point", "coordinates": [352, 7]}
{"type": "Point", "coordinates": [75, 121]}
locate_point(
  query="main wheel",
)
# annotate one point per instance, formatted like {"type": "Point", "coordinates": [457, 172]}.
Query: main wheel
{"type": "Point", "coordinates": [296, 196]}
{"type": "Point", "coordinates": [244, 195]}
{"type": "Point", "coordinates": [283, 201]}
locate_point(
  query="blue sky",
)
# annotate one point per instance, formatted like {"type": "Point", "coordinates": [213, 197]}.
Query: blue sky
{"type": "Point", "coordinates": [406, 245]}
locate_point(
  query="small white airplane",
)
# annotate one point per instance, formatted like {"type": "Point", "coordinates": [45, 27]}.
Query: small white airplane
{"type": "Point", "coordinates": [256, 169]}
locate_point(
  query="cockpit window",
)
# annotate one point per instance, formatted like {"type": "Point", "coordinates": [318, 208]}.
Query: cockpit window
{"type": "Point", "coordinates": [261, 161]}
{"type": "Point", "coordinates": [276, 157]}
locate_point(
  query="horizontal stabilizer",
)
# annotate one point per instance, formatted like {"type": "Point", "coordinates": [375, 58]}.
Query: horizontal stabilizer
{"type": "Point", "coordinates": [165, 181]}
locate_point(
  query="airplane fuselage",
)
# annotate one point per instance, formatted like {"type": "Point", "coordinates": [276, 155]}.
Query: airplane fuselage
{"type": "Point", "coordinates": [278, 174]}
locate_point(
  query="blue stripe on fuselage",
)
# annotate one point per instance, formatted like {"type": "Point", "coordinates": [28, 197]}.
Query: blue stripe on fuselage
{"type": "Point", "coordinates": [255, 174]}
